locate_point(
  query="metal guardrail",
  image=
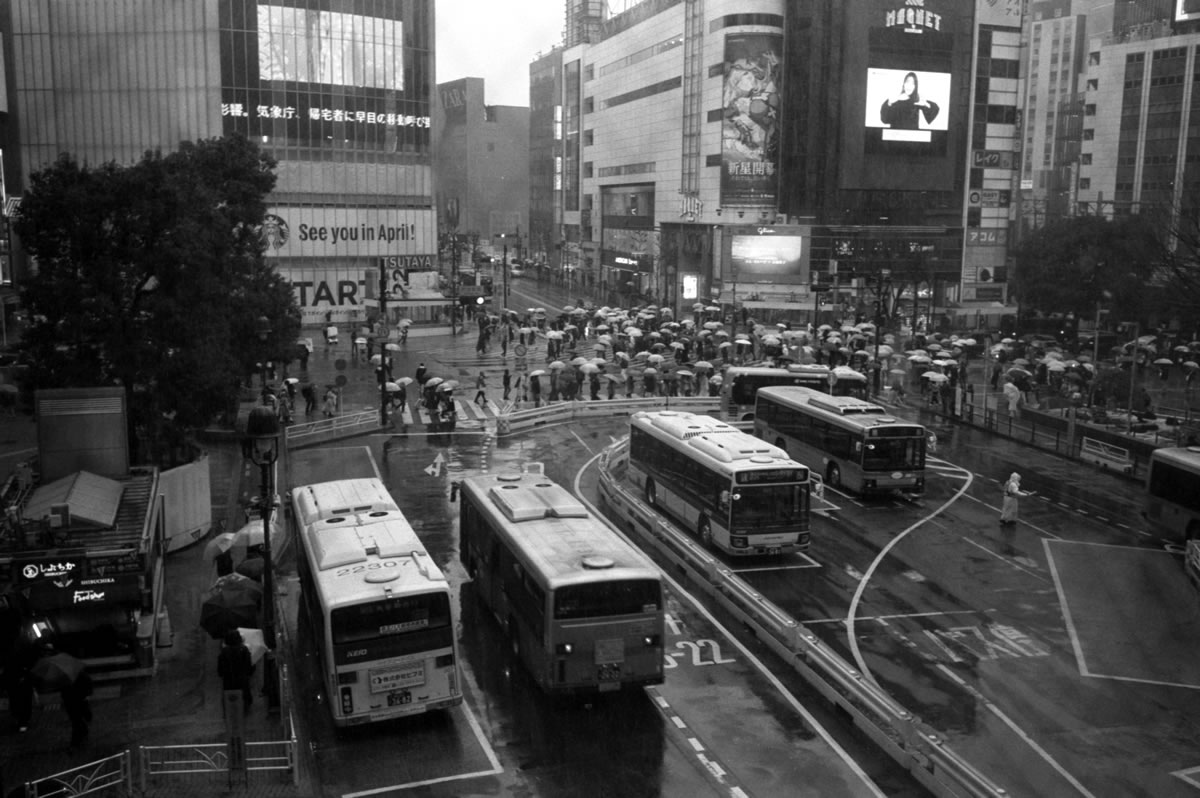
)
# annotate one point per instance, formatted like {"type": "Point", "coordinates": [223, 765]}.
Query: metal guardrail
{"type": "Point", "coordinates": [916, 746]}
{"type": "Point", "coordinates": [337, 426]}
{"type": "Point", "coordinates": [111, 775]}
{"type": "Point", "coordinates": [518, 420]}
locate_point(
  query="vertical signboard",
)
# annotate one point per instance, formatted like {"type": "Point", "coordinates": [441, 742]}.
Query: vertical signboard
{"type": "Point", "coordinates": [750, 127]}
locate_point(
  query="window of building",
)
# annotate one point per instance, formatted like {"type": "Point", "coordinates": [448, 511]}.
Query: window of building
{"type": "Point", "coordinates": [1085, 159]}
{"type": "Point", "coordinates": [589, 72]}
{"type": "Point", "coordinates": [1093, 84]}
{"type": "Point", "coordinates": [1089, 109]}
{"type": "Point", "coordinates": [587, 168]}
{"type": "Point", "coordinates": [1085, 183]}
{"type": "Point", "coordinates": [588, 137]}
{"type": "Point", "coordinates": [1089, 134]}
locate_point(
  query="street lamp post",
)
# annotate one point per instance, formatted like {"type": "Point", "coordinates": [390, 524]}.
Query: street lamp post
{"type": "Point", "coordinates": [261, 447]}
{"type": "Point", "coordinates": [381, 374]}
{"type": "Point", "coordinates": [263, 328]}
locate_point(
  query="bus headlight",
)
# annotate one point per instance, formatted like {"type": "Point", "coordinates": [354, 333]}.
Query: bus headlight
{"type": "Point", "coordinates": [738, 541]}
{"type": "Point", "coordinates": [564, 649]}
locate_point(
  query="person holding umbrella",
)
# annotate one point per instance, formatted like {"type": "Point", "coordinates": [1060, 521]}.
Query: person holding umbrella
{"type": "Point", "coordinates": [235, 667]}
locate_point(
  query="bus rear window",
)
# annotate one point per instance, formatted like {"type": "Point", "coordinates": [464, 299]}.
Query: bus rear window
{"type": "Point", "coordinates": [600, 599]}
{"type": "Point", "coordinates": [396, 616]}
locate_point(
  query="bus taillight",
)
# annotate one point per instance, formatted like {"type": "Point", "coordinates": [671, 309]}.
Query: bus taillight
{"type": "Point", "coordinates": [562, 649]}
{"type": "Point", "coordinates": [652, 641]}
{"type": "Point", "coordinates": [347, 701]}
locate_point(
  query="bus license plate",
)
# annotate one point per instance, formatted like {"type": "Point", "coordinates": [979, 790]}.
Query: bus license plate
{"type": "Point", "coordinates": [399, 699]}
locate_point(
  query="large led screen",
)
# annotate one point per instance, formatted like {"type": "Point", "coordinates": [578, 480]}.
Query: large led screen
{"type": "Point", "coordinates": [326, 76]}
{"type": "Point", "coordinates": [906, 105]}
{"type": "Point", "coordinates": [1187, 10]}
{"type": "Point", "coordinates": [767, 256]}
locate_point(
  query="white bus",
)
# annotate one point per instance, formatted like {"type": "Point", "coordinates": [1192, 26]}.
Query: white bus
{"type": "Point", "coordinates": [731, 490]}
{"type": "Point", "coordinates": [850, 442]}
{"type": "Point", "coordinates": [741, 384]}
{"type": "Point", "coordinates": [583, 608]}
{"type": "Point", "coordinates": [380, 608]}
{"type": "Point", "coordinates": [1172, 507]}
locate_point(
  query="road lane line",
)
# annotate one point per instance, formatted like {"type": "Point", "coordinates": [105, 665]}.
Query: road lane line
{"type": "Point", "coordinates": [1017, 730]}
{"type": "Point", "coordinates": [1005, 560]}
{"type": "Point", "coordinates": [581, 440]}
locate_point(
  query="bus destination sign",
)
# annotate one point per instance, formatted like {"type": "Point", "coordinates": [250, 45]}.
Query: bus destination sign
{"type": "Point", "coordinates": [772, 475]}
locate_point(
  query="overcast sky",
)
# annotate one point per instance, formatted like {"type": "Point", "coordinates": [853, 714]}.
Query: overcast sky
{"type": "Point", "coordinates": [495, 40]}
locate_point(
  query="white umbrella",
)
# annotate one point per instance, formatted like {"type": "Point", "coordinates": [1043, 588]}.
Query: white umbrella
{"type": "Point", "coordinates": [702, 364]}
{"type": "Point", "coordinates": [933, 376]}
{"type": "Point", "coordinates": [434, 381]}
{"type": "Point", "coordinates": [558, 364]}
{"type": "Point", "coordinates": [1164, 361]}
{"type": "Point", "coordinates": [537, 373]}
{"type": "Point", "coordinates": [685, 373]}
{"type": "Point", "coordinates": [656, 359]}
{"type": "Point", "coordinates": [254, 640]}
{"type": "Point", "coordinates": [392, 347]}
{"type": "Point", "coordinates": [404, 323]}
{"type": "Point", "coordinates": [649, 370]}
{"type": "Point", "coordinates": [405, 381]}
{"type": "Point", "coordinates": [391, 386]}
{"type": "Point", "coordinates": [1191, 364]}
{"type": "Point", "coordinates": [578, 361]}
{"type": "Point", "coordinates": [589, 368]}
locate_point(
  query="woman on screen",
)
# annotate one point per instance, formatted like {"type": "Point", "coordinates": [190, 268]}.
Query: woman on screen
{"type": "Point", "coordinates": [901, 112]}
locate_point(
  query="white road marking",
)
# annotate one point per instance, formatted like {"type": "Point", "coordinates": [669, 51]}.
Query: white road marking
{"type": "Point", "coordinates": [483, 743]}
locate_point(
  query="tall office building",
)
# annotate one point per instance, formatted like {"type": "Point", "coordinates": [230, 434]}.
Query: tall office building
{"type": "Point", "coordinates": [338, 91]}
{"type": "Point", "coordinates": [740, 152]}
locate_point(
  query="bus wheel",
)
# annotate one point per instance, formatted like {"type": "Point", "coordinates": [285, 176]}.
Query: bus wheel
{"type": "Point", "coordinates": [834, 475]}
{"type": "Point", "coordinates": [704, 532]}
{"type": "Point", "coordinates": [651, 492]}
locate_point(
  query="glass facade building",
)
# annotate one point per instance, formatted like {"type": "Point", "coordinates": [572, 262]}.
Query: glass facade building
{"type": "Point", "coordinates": [339, 92]}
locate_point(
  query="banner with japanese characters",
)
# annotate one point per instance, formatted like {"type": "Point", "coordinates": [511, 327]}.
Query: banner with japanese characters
{"type": "Point", "coordinates": [750, 126]}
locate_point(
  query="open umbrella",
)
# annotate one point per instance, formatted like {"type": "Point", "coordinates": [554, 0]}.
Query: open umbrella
{"type": "Point", "coordinates": [391, 386]}
{"type": "Point", "coordinates": [558, 364]}
{"type": "Point", "coordinates": [376, 360]}
{"type": "Point", "coordinates": [56, 671]}
{"type": "Point", "coordinates": [578, 361]}
{"type": "Point", "coordinates": [405, 381]}
{"type": "Point", "coordinates": [1164, 361]}
{"type": "Point", "coordinates": [404, 323]}
{"type": "Point", "coordinates": [254, 640]}
{"type": "Point", "coordinates": [537, 373]}
{"type": "Point", "coordinates": [219, 545]}
{"type": "Point", "coordinates": [392, 347]}
{"type": "Point", "coordinates": [250, 534]}
{"type": "Point", "coordinates": [589, 368]}
{"type": "Point", "coordinates": [702, 364]}
{"type": "Point", "coordinates": [252, 568]}
{"type": "Point", "coordinates": [1191, 364]}
{"type": "Point", "coordinates": [685, 373]}
{"type": "Point", "coordinates": [234, 604]}
{"type": "Point", "coordinates": [434, 381]}
{"type": "Point", "coordinates": [934, 376]}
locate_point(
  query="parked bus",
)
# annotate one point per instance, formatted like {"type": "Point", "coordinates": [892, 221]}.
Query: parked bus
{"type": "Point", "coordinates": [734, 492]}
{"type": "Point", "coordinates": [742, 383]}
{"type": "Point", "coordinates": [1172, 506]}
{"type": "Point", "coordinates": [583, 607]}
{"type": "Point", "coordinates": [852, 443]}
{"type": "Point", "coordinates": [379, 607]}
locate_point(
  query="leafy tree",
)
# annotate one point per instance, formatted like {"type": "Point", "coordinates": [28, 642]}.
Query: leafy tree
{"type": "Point", "coordinates": [152, 276]}
{"type": "Point", "coordinates": [1070, 265]}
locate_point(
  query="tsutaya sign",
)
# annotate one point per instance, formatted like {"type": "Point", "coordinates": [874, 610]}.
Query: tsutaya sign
{"type": "Point", "coordinates": [348, 232]}
{"type": "Point", "coordinates": [913, 17]}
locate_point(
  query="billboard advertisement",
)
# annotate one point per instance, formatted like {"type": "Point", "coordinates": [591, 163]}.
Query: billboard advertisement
{"type": "Point", "coordinates": [313, 75]}
{"type": "Point", "coordinates": [294, 231]}
{"type": "Point", "coordinates": [904, 124]}
{"type": "Point", "coordinates": [906, 106]}
{"type": "Point", "coordinates": [769, 254]}
{"type": "Point", "coordinates": [750, 122]}
{"type": "Point", "coordinates": [1187, 10]}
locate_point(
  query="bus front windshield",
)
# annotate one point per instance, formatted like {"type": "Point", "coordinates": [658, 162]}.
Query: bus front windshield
{"type": "Point", "coordinates": [893, 454]}
{"type": "Point", "coordinates": [769, 505]}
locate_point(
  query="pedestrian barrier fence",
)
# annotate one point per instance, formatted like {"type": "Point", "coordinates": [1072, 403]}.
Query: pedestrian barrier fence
{"type": "Point", "coordinates": [528, 418]}
{"type": "Point", "coordinates": [335, 427]}
{"type": "Point", "coordinates": [1106, 455]}
{"type": "Point", "coordinates": [910, 742]}
{"type": "Point", "coordinates": [108, 776]}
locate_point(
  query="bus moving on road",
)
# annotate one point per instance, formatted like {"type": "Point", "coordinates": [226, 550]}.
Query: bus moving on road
{"type": "Point", "coordinates": [852, 443]}
{"type": "Point", "coordinates": [583, 607]}
{"type": "Point", "coordinates": [379, 607]}
{"type": "Point", "coordinates": [1173, 493]}
{"type": "Point", "coordinates": [731, 490]}
{"type": "Point", "coordinates": [742, 383]}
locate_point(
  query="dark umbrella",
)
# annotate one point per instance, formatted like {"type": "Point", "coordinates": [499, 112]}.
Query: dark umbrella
{"type": "Point", "coordinates": [56, 671]}
{"type": "Point", "coordinates": [233, 605]}
{"type": "Point", "coordinates": [252, 567]}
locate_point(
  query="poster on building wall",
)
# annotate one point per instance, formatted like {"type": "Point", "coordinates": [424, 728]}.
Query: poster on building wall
{"type": "Point", "coordinates": [348, 232]}
{"type": "Point", "coordinates": [750, 127]}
